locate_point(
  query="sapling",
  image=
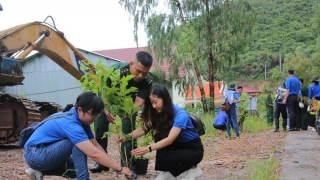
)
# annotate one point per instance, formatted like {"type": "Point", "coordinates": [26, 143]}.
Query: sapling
{"type": "Point", "coordinates": [116, 96]}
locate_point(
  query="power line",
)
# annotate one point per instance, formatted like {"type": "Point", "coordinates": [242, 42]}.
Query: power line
{"type": "Point", "coordinates": [52, 91]}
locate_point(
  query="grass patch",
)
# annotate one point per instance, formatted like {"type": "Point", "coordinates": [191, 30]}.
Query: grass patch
{"type": "Point", "coordinates": [264, 169]}
{"type": "Point", "coordinates": [253, 124]}
{"type": "Point", "coordinates": [208, 121]}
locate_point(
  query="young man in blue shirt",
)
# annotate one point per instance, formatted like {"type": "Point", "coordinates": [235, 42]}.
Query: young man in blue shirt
{"type": "Point", "coordinates": [220, 121]}
{"type": "Point", "coordinates": [232, 115]}
{"type": "Point", "coordinates": [291, 100]}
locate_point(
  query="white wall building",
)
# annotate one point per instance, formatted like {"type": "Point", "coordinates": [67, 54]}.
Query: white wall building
{"type": "Point", "coordinates": [47, 81]}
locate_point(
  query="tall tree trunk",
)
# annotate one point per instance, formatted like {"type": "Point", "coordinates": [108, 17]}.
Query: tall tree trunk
{"type": "Point", "coordinates": [203, 95]}
{"type": "Point", "coordinates": [196, 66]}
{"type": "Point", "coordinates": [210, 35]}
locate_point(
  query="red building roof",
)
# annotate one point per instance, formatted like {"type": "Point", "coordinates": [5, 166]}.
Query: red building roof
{"type": "Point", "coordinates": [248, 90]}
{"type": "Point", "coordinates": [128, 54]}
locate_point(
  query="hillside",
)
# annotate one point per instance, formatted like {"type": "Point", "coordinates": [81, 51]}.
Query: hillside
{"type": "Point", "coordinates": [282, 26]}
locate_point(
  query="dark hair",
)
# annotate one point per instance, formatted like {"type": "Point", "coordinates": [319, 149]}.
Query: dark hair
{"type": "Point", "coordinates": [161, 123]}
{"type": "Point", "coordinates": [89, 100]}
{"type": "Point", "coordinates": [67, 108]}
{"type": "Point", "coordinates": [301, 80]}
{"type": "Point", "coordinates": [239, 87]}
{"type": "Point", "coordinates": [291, 71]}
{"type": "Point", "coordinates": [144, 58]}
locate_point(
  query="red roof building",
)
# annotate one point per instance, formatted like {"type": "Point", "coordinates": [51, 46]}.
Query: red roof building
{"type": "Point", "coordinates": [251, 92]}
{"type": "Point", "coordinates": [128, 54]}
{"type": "Point", "coordinates": [218, 87]}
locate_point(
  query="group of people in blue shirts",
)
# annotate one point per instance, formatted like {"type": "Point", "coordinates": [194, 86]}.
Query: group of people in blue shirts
{"type": "Point", "coordinates": [289, 107]}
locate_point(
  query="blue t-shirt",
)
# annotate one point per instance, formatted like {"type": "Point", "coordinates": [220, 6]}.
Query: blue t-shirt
{"type": "Point", "coordinates": [67, 127]}
{"type": "Point", "coordinates": [237, 97]}
{"type": "Point", "coordinates": [293, 84]}
{"type": "Point", "coordinates": [314, 91]}
{"type": "Point", "coordinates": [221, 119]}
{"type": "Point", "coordinates": [183, 121]}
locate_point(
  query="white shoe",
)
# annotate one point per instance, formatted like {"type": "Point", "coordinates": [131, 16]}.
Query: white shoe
{"type": "Point", "coordinates": [165, 175]}
{"type": "Point", "coordinates": [34, 174]}
{"type": "Point", "coordinates": [313, 129]}
{"type": "Point", "coordinates": [191, 174]}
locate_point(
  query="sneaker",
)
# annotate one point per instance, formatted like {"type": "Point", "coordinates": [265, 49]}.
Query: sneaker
{"type": "Point", "coordinates": [34, 174]}
{"type": "Point", "coordinates": [198, 171]}
{"type": "Point", "coordinates": [191, 174]}
{"type": "Point", "coordinates": [313, 129]}
{"type": "Point", "coordinates": [165, 175]}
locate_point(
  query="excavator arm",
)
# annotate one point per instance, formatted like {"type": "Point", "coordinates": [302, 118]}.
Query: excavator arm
{"type": "Point", "coordinates": [20, 40]}
{"type": "Point", "coordinates": [16, 43]}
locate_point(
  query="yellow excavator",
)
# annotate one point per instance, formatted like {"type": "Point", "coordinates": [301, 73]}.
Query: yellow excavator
{"type": "Point", "coordinates": [16, 43]}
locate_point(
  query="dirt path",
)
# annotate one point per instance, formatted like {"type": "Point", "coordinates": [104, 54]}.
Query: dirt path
{"type": "Point", "coordinates": [224, 159]}
{"type": "Point", "coordinates": [301, 159]}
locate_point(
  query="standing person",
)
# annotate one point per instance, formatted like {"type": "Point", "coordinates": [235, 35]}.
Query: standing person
{"type": "Point", "coordinates": [179, 149]}
{"type": "Point", "coordinates": [139, 67]}
{"type": "Point", "coordinates": [314, 92]}
{"type": "Point", "coordinates": [64, 142]}
{"type": "Point", "coordinates": [237, 95]}
{"type": "Point", "coordinates": [232, 114]}
{"type": "Point", "coordinates": [303, 111]}
{"type": "Point", "coordinates": [291, 100]}
{"type": "Point", "coordinates": [269, 108]}
{"type": "Point", "coordinates": [280, 108]}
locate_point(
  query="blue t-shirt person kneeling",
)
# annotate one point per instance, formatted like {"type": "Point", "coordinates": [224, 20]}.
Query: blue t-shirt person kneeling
{"type": "Point", "coordinates": [220, 121]}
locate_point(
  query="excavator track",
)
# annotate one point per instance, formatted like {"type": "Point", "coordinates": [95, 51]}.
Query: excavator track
{"type": "Point", "coordinates": [47, 108]}
{"type": "Point", "coordinates": [17, 113]}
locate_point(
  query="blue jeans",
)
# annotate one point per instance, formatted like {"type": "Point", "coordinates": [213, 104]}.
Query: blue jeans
{"type": "Point", "coordinates": [232, 121]}
{"type": "Point", "coordinates": [56, 158]}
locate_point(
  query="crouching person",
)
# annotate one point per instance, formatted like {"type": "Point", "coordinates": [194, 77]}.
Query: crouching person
{"type": "Point", "coordinates": [61, 145]}
{"type": "Point", "coordinates": [179, 148]}
{"type": "Point", "coordinates": [220, 121]}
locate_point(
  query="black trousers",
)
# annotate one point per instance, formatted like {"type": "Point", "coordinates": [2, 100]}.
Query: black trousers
{"type": "Point", "coordinates": [311, 119]}
{"type": "Point", "coordinates": [179, 157]}
{"type": "Point", "coordinates": [293, 110]}
{"type": "Point", "coordinates": [221, 127]}
{"type": "Point", "coordinates": [283, 111]}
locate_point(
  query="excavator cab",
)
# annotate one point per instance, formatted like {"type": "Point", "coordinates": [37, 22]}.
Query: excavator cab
{"type": "Point", "coordinates": [10, 72]}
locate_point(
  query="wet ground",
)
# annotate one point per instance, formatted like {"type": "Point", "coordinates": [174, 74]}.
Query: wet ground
{"type": "Point", "coordinates": [301, 157]}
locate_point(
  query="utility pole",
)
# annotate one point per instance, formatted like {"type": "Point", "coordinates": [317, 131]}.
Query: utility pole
{"type": "Point", "coordinates": [265, 71]}
{"type": "Point", "coordinates": [280, 62]}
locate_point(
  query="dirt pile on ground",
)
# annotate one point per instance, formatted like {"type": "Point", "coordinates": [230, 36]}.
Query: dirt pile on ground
{"type": "Point", "coordinates": [224, 159]}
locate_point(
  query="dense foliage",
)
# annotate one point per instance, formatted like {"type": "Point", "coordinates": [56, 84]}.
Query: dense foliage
{"type": "Point", "coordinates": [286, 29]}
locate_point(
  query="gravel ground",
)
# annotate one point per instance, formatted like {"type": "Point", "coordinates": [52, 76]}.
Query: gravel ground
{"type": "Point", "coordinates": [224, 159]}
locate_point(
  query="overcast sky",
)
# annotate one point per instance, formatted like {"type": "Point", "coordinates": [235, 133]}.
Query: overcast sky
{"type": "Point", "coordinates": [87, 24]}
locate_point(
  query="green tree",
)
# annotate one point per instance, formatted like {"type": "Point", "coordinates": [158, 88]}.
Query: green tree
{"type": "Point", "coordinates": [302, 65]}
{"type": "Point", "coordinates": [188, 33]}
{"type": "Point", "coordinates": [276, 76]}
{"type": "Point", "coordinates": [282, 26]}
